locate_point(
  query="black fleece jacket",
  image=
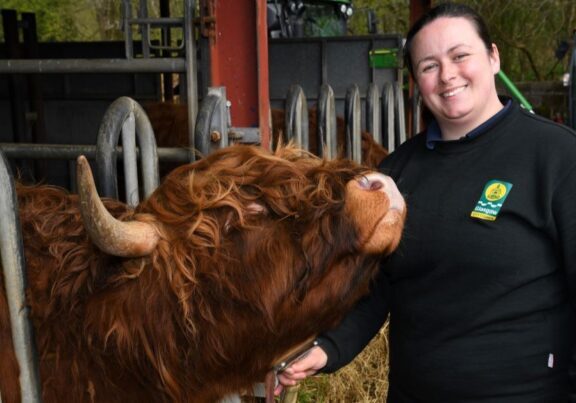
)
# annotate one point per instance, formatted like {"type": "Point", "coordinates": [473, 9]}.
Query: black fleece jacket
{"type": "Point", "coordinates": [481, 292]}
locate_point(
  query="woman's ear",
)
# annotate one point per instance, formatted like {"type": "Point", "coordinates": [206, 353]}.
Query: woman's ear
{"type": "Point", "coordinates": [494, 59]}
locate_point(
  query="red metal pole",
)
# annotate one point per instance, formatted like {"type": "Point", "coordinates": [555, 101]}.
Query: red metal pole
{"type": "Point", "coordinates": [263, 75]}
{"type": "Point", "coordinates": [239, 61]}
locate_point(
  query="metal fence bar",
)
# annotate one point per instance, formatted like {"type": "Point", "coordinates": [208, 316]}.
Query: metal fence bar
{"type": "Point", "coordinates": [190, 68]}
{"type": "Point", "coordinates": [374, 113]}
{"type": "Point", "coordinates": [327, 129]}
{"type": "Point", "coordinates": [388, 103]}
{"type": "Point", "coordinates": [353, 110]}
{"type": "Point", "coordinates": [144, 31]}
{"type": "Point", "coordinates": [399, 114]}
{"type": "Point", "coordinates": [297, 117]}
{"type": "Point", "coordinates": [158, 22]}
{"type": "Point", "coordinates": [49, 66]}
{"type": "Point", "coordinates": [416, 111]}
{"type": "Point", "coordinates": [108, 136]}
{"type": "Point", "coordinates": [130, 160]}
{"type": "Point", "coordinates": [212, 122]}
{"type": "Point", "coordinates": [14, 267]}
{"type": "Point", "coordinates": [71, 152]}
{"type": "Point", "coordinates": [127, 16]}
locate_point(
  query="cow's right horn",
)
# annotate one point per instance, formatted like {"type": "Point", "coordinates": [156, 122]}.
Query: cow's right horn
{"type": "Point", "coordinates": [118, 238]}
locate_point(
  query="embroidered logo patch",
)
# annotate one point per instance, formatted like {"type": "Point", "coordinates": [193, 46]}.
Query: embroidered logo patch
{"type": "Point", "coordinates": [492, 199]}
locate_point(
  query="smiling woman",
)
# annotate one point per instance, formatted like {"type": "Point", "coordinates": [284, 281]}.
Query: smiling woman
{"type": "Point", "coordinates": [454, 69]}
{"type": "Point", "coordinates": [480, 292]}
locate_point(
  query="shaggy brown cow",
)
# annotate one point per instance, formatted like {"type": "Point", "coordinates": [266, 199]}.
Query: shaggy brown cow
{"type": "Point", "coordinates": [233, 261]}
{"type": "Point", "coordinates": [170, 124]}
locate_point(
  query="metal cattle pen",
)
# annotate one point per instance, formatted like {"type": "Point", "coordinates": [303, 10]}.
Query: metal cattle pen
{"type": "Point", "coordinates": [125, 121]}
{"type": "Point", "coordinates": [209, 128]}
{"type": "Point", "coordinates": [186, 65]}
{"type": "Point", "coordinates": [125, 118]}
{"type": "Point", "coordinates": [14, 268]}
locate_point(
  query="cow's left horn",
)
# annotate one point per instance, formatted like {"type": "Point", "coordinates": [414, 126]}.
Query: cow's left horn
{"type": "Point", "coordinates": [118, 238]}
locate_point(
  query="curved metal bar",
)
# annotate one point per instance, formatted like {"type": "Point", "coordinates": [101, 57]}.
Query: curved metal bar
{"type": "Point", "coordinates": [327, 138]}
{"type": "Point", "coordinates": [14, 267]}
{"type": "Point", "coordinates": [373, 116]}
{"type": "Point", "coordinates": [399, 115]}
{"type": "Point", "coordinates": [108, 135]}
{"type": "Point", "coordinates": [296, 125]}
{"type": "Point", "coordinates": [353, 112]}
{"type": "Point", "coordinates": [212, 122]}
{"type": "Point", "coordinates": [388, 116]}
{"type": "Point", "coordinates": [191, 70]}
{"type": "Point", "coordinates": [204, 123]}
{"type": "Point", "coordinates": [130, 161]}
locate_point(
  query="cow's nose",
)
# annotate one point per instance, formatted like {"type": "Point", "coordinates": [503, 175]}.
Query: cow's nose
{"type": "Point", "coordinates": [375, 181]}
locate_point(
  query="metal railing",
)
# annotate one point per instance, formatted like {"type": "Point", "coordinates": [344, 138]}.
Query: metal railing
{"type": "Point", "coordinates": [125, 120]}
{"type": "Point", "coordinates": [186, 65]}
{"type": "Point", "coordinates": [14, 271]}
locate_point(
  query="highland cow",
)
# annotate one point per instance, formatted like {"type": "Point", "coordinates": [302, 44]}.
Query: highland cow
{"type": "Point", "coordinates": [198, 291]}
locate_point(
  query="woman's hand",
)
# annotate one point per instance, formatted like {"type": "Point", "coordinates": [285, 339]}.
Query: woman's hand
{"type": "Point", "coordinates": [301, 369]}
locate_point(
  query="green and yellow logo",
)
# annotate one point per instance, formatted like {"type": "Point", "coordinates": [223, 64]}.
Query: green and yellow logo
{"type": "Point", "coordinates": [493, 196]}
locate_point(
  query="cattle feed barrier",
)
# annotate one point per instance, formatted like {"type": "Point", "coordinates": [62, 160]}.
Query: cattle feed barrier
{"type": "Point", "coordinates": [14, 271]}
{"type": "Point", "coordinates": [126, 119]}
{"type": "Point", "coordinates": [213, 127]}
{"type": "Point", "coordinates": [384, 118]}
{"type": "Point", "coordinates": [186, 65]}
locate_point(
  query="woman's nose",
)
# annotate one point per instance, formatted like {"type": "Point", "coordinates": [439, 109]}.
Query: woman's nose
{"type": "Point", "coordinates": [447, 72]}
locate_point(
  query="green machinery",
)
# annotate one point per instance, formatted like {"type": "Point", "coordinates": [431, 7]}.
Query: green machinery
{"type": "Point", "coordinates": [308, 18]}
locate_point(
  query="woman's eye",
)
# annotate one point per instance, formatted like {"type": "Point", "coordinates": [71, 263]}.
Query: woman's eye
{"type": "Point", "coordinates": [428, 67]}
{"type": "Point", "coordinates": [460, 56]}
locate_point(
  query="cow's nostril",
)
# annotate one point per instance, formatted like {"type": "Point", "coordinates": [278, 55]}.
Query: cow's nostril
{"type": "Point", "coordinates": [371, 182]}
{"type": "Point", "coordinates": [376, 185]}
{"type": "Point", "coordinates": [364, 182]}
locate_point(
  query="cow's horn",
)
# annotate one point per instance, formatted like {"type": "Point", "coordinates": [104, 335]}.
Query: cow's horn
{"type": "Point", "coordinates": [118, 238]}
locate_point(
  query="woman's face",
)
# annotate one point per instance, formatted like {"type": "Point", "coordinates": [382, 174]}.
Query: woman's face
{"type": "Point", "coordinates": [455, 73]}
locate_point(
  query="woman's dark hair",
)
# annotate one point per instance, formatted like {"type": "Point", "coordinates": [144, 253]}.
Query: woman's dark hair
{"type": "Point", "coordinates": [450, 10]}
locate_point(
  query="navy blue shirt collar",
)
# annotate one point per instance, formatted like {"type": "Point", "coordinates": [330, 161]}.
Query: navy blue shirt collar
{"type": "Point", "coordinates": [434, 135]}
